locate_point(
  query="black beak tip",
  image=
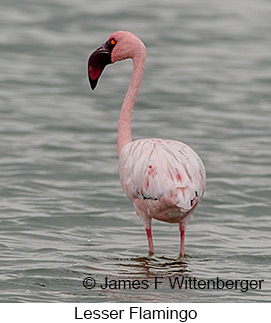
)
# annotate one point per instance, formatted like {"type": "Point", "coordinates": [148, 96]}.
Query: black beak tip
{"type": "Point", "coordinates": [93, 83]}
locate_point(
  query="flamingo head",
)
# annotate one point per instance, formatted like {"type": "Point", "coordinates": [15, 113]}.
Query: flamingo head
{"type": "Point", "coordinates": [119, 46]}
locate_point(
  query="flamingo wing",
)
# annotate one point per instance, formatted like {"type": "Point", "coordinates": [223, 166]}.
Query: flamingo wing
{"type": "Point", "coordinates": [158, 169]}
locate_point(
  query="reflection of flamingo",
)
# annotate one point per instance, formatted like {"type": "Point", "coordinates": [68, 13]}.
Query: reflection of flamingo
{"type": "Point", "coordinates": [164, 179]}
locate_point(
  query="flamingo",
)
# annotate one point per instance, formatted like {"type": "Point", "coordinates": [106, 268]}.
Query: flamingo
{"type": "Point", "coordinates": [164, 179]}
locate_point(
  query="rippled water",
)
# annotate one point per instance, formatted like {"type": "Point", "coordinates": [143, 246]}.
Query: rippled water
{"type": "Point", "coordinates": [63, 214]}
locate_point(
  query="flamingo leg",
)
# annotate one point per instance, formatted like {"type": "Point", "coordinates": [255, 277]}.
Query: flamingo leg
{"type": "Point", "coordinates": [182, 235]}
{"type": "Point", "coordinates": [150, 242]}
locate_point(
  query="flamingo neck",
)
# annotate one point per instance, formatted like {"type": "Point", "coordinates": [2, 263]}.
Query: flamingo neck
{"type": "Point", "coordinates": [124, 129]}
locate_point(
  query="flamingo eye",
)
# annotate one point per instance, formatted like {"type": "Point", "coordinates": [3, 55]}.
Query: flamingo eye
{"type": "Point", "coordinates": [112, 42]}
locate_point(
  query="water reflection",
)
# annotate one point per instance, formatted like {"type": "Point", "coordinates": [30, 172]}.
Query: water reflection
{"type": "Point", "coordinates": [145, 267]}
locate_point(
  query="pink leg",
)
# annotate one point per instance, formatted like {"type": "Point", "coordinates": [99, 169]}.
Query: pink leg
{"type": "Point", "coordinates": [149, 236]}
{"type": "Point", "coordinates": [182, 232]}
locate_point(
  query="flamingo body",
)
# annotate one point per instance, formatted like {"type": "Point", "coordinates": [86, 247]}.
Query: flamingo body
{"type": "Point", "coordinates": [164, 179]}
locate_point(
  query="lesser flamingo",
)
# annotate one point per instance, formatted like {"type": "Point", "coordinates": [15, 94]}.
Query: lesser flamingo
{"type": "Point", "coordinates": [164, 179]}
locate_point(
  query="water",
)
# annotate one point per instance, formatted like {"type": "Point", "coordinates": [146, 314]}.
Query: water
{"type": "Point", "coordinates": [64, 216]}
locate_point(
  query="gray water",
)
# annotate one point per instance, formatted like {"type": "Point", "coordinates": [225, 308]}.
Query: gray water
{"type": "Point", "coordinates": [64, 216]}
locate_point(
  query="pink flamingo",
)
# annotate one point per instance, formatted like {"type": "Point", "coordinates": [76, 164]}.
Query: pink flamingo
{"type": "Point", "coordinates": [164, 179]}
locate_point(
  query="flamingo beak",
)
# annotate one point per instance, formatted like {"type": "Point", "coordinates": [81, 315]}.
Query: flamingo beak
{"type": "Point", "coordinates": [97, 62]}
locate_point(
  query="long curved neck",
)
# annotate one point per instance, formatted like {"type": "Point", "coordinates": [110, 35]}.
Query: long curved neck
{"type": "Point", "coordinates": [124, 129]}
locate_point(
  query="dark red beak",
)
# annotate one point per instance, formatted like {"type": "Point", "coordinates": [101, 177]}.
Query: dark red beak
{"type": "Point", "coordinates": [97, 62]}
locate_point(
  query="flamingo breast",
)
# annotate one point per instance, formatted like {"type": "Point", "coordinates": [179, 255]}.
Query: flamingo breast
{"type": "Point", "coordinates": [164, 179]}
